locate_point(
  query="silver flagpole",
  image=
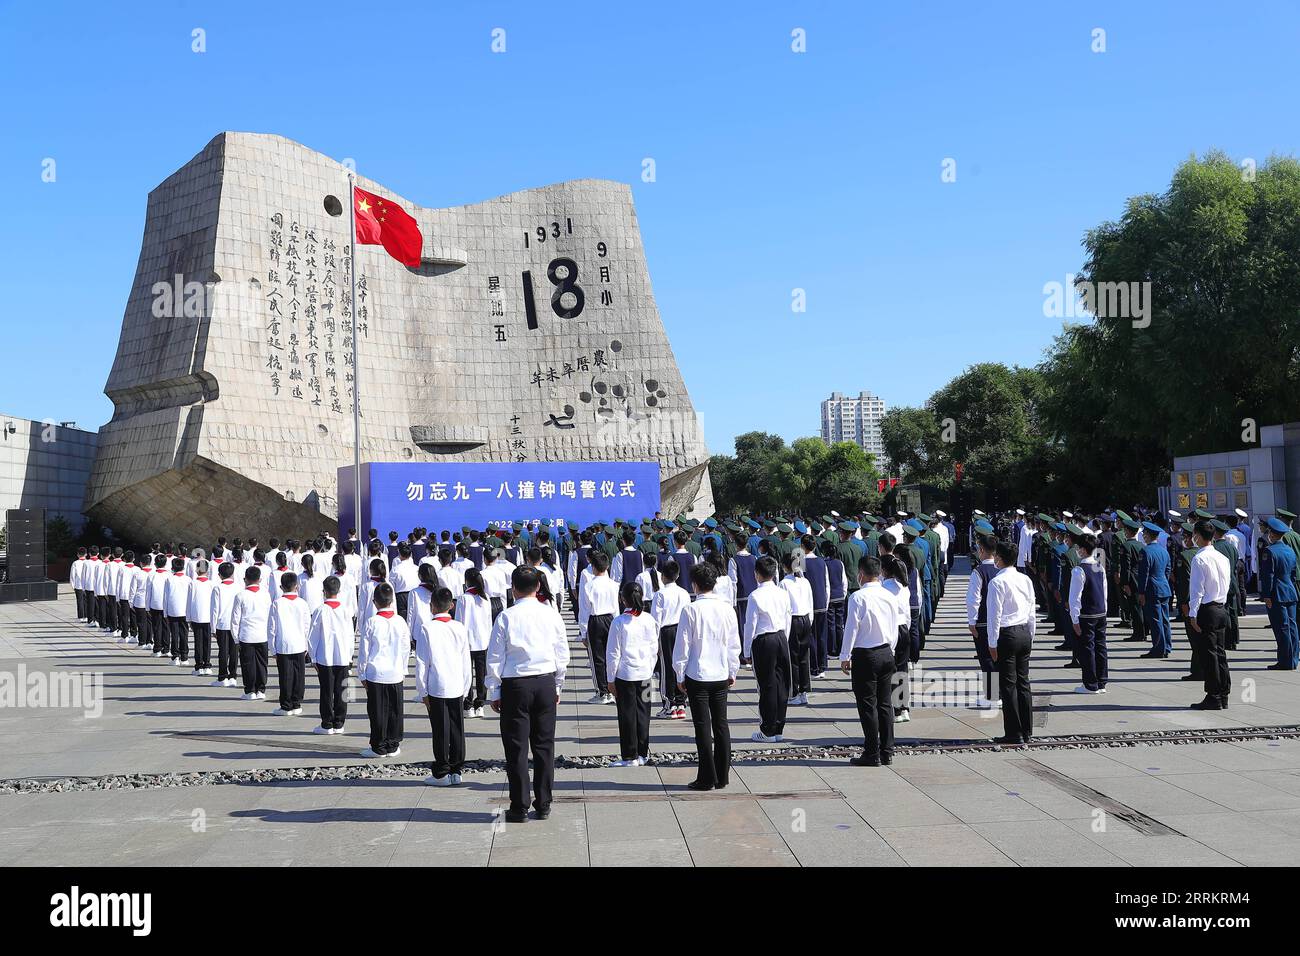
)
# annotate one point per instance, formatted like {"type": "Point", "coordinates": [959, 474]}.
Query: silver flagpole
{"type": "Point", "coordinates": [356, 369]}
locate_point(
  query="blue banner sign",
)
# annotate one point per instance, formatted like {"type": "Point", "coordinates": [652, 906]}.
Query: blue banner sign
{"type": "Point", "coordinates": [399, 496]}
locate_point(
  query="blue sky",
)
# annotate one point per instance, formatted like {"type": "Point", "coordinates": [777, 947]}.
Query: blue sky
{"type": "Point", "coordinates": [775, 170]}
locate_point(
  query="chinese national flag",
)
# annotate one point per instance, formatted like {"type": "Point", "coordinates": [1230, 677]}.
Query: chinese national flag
{"type": "Point", "coordinates": [381, 222]}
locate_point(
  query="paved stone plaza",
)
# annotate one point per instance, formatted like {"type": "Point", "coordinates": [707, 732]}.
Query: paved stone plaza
{"type": "Point", "coordinates": [1215, 803]}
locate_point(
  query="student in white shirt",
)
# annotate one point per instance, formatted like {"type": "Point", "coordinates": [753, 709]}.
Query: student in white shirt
{"type": "Point", "coordinates": [1086, 604]}
{"type": "Point", "coordinates": [872, 622]}
{"type": "Point", "coordinates": [630, 658]}
{"type": "Point", "coordinates": [223, 605]}
{"type": "Point", "coordinates": [1011, 618]}
{"type": "Point", "coordinates": [666, 608]}
{"type": "Point", "coordinates": [176, 601]}
{"type": "Point", "coordinates": [276, 575]}
{"type": "Point", "coordinates": [474, 611]}
{"type": "Point", "coordinates": [366, 601]}
{"type": "Point", "coordinates": [799, 591]}
{"type": "Point", "coordinates": [404, 576]}
{"type": "Point", "coordinates": [442, 677]}
{"type": "Point", "coordinates": [139, 604]}
{"type": "Point", "coordinates": [155, 594]}
{"type": "Point", "coordinates": [893, 578]}
{"type": "Point", "coordinates": [199, 614]}
{"type": "Point", "coordinates": [527, 656]}
{"type": "Point", "coordinates": [348, 585]}
{"type": "Point", "coordinates": [705, 660]}
{"type": "Point", "coordinates": [450, 578]}
{"type": "Point", "coordinates": [767, 622]}
{"type": "Point", "coordinates": [496, 579]}
{"type": "Point", "coordinates": [122, 594]}
{"type": "Point", "coordinates": [597, 605]}
{"type": "Point", "coordinates": [287, 637]}
{"type": "Point", "coordinates": [249, 622]}
{"type": "Point", "coordinates": [382, 654]}
{"type": "Point", "coordinates": [329, 644]}
{"type": "Point", "coordinates": [74, 579]}
{"type": "Point", "coordinates": [311, 587]}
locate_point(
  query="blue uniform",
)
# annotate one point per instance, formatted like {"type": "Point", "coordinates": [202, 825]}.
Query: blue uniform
{"type": "Point", "coordinates": [1277, 584]}
{"type": "Point", "coordinates": [1153, 584]}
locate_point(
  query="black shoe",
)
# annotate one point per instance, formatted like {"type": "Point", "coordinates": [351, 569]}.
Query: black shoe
{"type": "Point", "coordinates": [1191, 677]}
{"type": "Point", "coordinates": [1072, 664]}
{"type": "Point", "coordinates": [1135, 638]}
{"type": "Point", "coordinates": [1009, 741]}
{"type": "Point", "coordinates": [542, 812]}
{"type": "Point", "coordinates": [1223, 703]}
{"type": "Point", "coordinates": [865, 761]}
{"type": "Point", "coordinates": [1061, 647]}
{"type": "Point", "coordinates": [721, 785]}
{"type": "Point", "coordinates": [516, 816]}
{"type": "Point", "coordinates": [1151, 654]}
{"type": "Point", "coordinates": [1278, 667]}
{"type": "Point", "coordinates": [697, 785]}
{"type": "Point", "coordinates": [1210, 703]}
{"type": "Point", "coordinates": [885, 761]}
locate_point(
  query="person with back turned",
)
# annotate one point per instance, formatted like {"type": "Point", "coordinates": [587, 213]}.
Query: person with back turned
{"type": "Point", "coordinates": [527, 655]}
{"type": "Point", "coordinates": [1011, 637]}
{"type": "Point", "coordinates": [870, 636]}
{"type": "Point", "coordinates": [1207, 594]}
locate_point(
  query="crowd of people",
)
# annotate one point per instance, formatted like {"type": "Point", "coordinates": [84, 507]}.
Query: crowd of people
{"type": "Point", "coordinates": [675, 608]}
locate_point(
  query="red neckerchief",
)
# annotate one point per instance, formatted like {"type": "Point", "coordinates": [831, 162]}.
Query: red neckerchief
{"type": "Point", "coordinates": [178, 574]}
{"type": "Point", "coordinates": [161, 570]}
{"type": "Point", "coordinates": [200, 579]}
{"type": "Point", "coordinates": [377, 579]}
{"type": "Point", "coordinates": [252, 587]}
{"type": "Point", "coordinates": [289, 597]}
{"type": "Point", "coordinates": [445, 618]}
{"type": "Point", "coordinates": [387, 613]}
{"type": "Point", "coordinates": [473, 591]}
{"type": "Point", "coordinates": [130, 565]}
{"type": "Point", "coordinates": [634, 612]}
{"type": "Point", "coordinates": [333, 604]}
{"type": "Point", "coordinates": [282, 570]}
{"type": "Point", "coordinates": [228, 582]}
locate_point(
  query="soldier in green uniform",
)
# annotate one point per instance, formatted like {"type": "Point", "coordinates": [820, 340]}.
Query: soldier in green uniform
{"type": "Point", "coordinates": [1132, 552]}
{"type": "Point", "coordinates": [1183, 555]}
{"type": "Point", "coordinates": [846, 550]}
{"type": "Point", "coordinates": [1228, 548]}
{"type": "Point", "coordinates": [1291, 539]}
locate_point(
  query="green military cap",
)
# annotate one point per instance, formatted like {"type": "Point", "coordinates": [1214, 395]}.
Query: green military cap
{"type": "Point", "coordinates": [1216, 523]}
{"type": "Point", "coordinates": [464, 529]}
{"type": "Point", "coordinates": [1130, 523]}
{"type": "Point", "coordinates": [1202, 514]}
{"type": "Point", "coordinates": [1074, 529]}
{"type": "Point", "coordinates": [517, 526]}
{"type": "Point", "coordinates": [732, 527]}
{"type": "Point", "coordinates": [910, 532]}
{"type": "Point", "coordinates": [1123, 515]}
{"type": "Point", "coordinates": [827, 519]}
{"type": "Point", "coordinates": [1283, 513]}
{"type": "Point", "coordinates": [924, 517]}
{"type": "Point", "coordinates": [1043, 516]}
{"type": "Point", "coordinates": [848, 526]}
{"type": "Point", "coordinates": [784, 528]}
{"type": "Point", "coordinates": [1187, 527]}
{"type": "Point", "coordinates": [769, 523]}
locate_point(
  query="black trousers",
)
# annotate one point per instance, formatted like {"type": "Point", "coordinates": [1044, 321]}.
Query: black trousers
{"type": "Point", "coordinates": [1090, 649]}
{"type": "Point", "coordinates": [477, 690]}
{"type": "Point", "coordinates": [103, 616]}
{"type": "Point", "coordinates": [986, 660]}
{"type": "Point", "coordinates": [125, 619]}
{"type": "Point", "coordinates": [333, 704]}
{"type": "Point", "coordinates": [384, 708]}
{"type": "Point", "coordinates": [873, 681]}
{"type": "Point", "coordinates": [291, 673]}
{"type": "Point", "coordinates": [597, 642]}
{"type": "Point", "coordinates": [80, 597]}
{"type": "Point", "coordinates": [901, 688]}
{"type": "Point", "coordinates": [252, 661]}
{"type": "Point", "coordinates": [742, 605]}
{"type": "Point", "coordinates": [497, 607]}
{"type": "Point", "coordinates": [1014, 646]}
{"type": "Point", "coordinates": [836, 612]}
{"type": "Point", "coordinates": [1213, 621]}
{"type": "Point", "coordinates": [403, 598]}
{"type": "Point", "coordinates": [708, 700]}
{"type": "Point", "coordinates": [667, 677]}
{"type": "Point", "coordinates": [632, 701]}
{"type": "Point", "coordinates": [772, 672]}
{"type": "Point", "coordinates": [202, 644]}
{"type": "Point", "coordinates": [800, 647]}
{"type": "Point", "coordinates": [162, 633]}
{"type": "Point", "coordinates": [140, 621]}
{"type": "Point", "coordinates": [180, 642]}
{"type": "Point", "coordinates": [817, 642]}
{"type": "Point", "coordinates": [447, 723]}
{"type": "Point", "coordinates": [528, 706]}
{"type": "Point", "coordinates": [227, 656]}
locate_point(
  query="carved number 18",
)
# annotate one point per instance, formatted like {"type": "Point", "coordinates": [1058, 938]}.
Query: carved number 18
{"type": "Point", "coordinates": [565, 283]}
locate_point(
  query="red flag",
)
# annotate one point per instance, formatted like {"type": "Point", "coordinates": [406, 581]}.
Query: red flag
{"type": "Point", "coordinates": [880, 485]}
{"type": "Point", "coordinates": [381, 222]}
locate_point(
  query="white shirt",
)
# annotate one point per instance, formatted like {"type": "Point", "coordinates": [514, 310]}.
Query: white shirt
{"type": "Point", "coordinates": [475, 612]}
{"type": "Point", "coordinates": [176, 594]}
{"type": "Point", "coordinates": [139, 587]}
{"type": "Point", "coordinates": [452, 580]}
{"type": "Point", "coordinates": [768, 611]}
{"type": "Point", "coordinates": [633, 649]}
{"type": "Point", "coordinates": [1211, 572]}
{"type": "Point", "coordinates": [222, 604]}
{"type": "Point", "coordinates": [1024, 546]}
{"type": "Point", "coordinates": [903, 598]}
{"type": "Point", "coordinates": [496, 578]}
{"type": "Point", "coordinates": [199, 610]}
{"type": "Point", "coordinates": [942, 531]}
{"type": "Point", "coordinates": [668, 603]}
{"type": "Point", "coordinates": [1011, 602]}
{"type": "Point", "coordinates": [442, 662]}
{"type": "Point", "coordinates": [599, 595]}
{"type": "Point", "coordinates": [1075, 602]}
{"type": "Point", "coordinates": [405, 576]}
{"type": "Point", "coordinates": [871, 619]}
{"type": "Point", "coordinates": [974, 594]}
{"type": "Point", "coordinates": [384, 648]}
{"type": "Point", "coordinates": [708, 641]}
{"type": "Point", "coordinates": [725, 590]}
{"type": "Point", "coordinates": [312, 590]}
{"type": "Point", "coordinates": [527, 639]}
{"type": "Point", "coordinates": [800, 592]}
{"type": "Point", "coordinates": [288, 623]}
{"type": "Point", "coordinates": [329, 636]}
{"type": "Point", "coordinates": [250, 619]}
{"type": "Point", "coordinates": [156, 588]}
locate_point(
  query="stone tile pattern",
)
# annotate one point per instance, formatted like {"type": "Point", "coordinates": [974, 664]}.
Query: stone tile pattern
{"type": "Point", "coordinates": [45, 465]}
{"type": "Point", "coordinates": [201, 444]}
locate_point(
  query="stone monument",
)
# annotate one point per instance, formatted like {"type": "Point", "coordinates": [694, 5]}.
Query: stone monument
{"type": "Point", "coordinates": [528, 333]}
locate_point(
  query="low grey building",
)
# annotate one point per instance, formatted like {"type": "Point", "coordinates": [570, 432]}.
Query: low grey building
{"type": "Point", "coordinates": [45, 465]}
{"type": "Point", "coordinates": [1259, 480]}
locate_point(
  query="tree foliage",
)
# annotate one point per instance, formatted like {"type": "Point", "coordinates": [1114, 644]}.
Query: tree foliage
{"type": "Point", "coordinates": [808, 476]}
